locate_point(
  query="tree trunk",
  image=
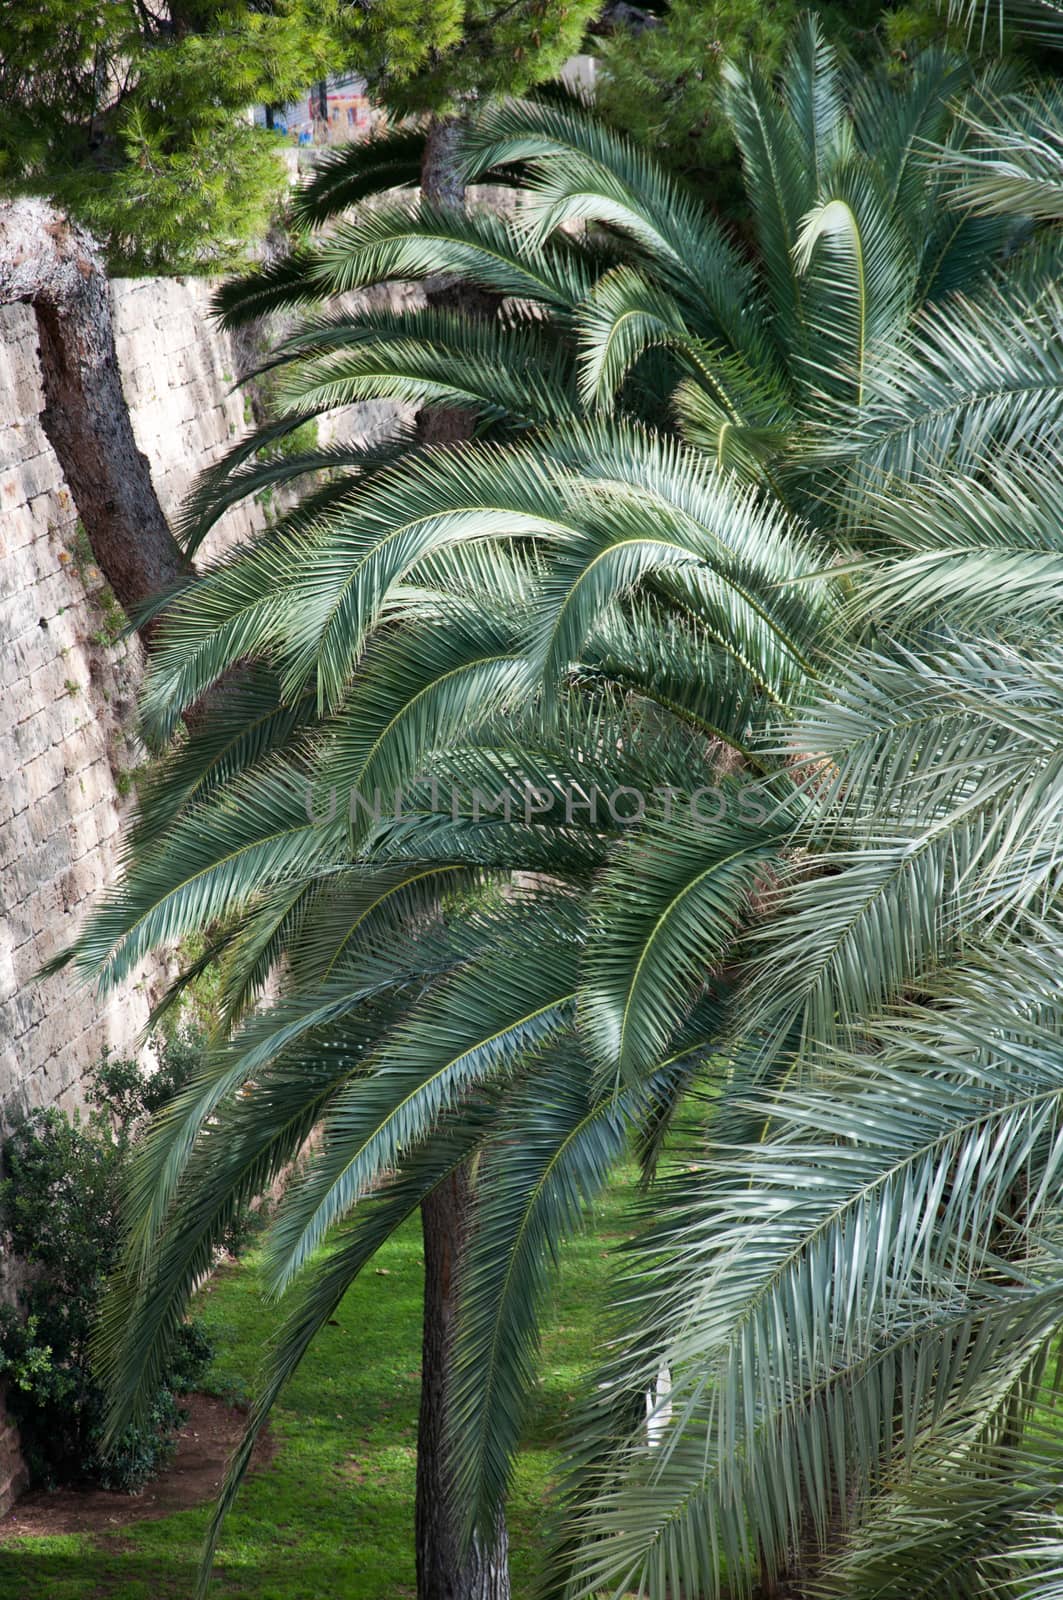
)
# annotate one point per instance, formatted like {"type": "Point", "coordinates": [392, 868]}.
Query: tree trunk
{"type": "Point", "coordinates": [441, 181]}
{"type": "Point", "coordinates": [443, 1572]}
{"type": "Point", "coordinates": [54, 265]}
{"type": "Point", "coordinates": [442, 185]}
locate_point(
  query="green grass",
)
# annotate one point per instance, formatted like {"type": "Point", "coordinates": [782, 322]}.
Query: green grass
{"type": "Point", "coordinates": [332, 1515]}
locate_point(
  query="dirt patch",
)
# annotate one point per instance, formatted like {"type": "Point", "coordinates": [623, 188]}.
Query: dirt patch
{"type": "Point", "coordinates": [194, 1476]}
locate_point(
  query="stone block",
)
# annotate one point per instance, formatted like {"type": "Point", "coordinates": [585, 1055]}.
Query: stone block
{"type": "Point", "coordinates": [41, 775]}
{"type": "Point", "coordinates": [25, 1009]}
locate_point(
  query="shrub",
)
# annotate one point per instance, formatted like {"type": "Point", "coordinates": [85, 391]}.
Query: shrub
{"type": "Point", "coordinates": [59, 1205]}
{"type": "Point", "coordinates": [132, 1096]}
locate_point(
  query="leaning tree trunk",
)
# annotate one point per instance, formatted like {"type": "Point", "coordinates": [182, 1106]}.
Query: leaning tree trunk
{"type": "Point", "coordinates": [54, 265]}
{"type": "Point", "coordinates": [444, 1570]}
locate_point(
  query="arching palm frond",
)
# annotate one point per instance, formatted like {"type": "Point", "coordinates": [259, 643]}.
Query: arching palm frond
{"type": "Point", "coordinates": [879, 1203]}
{"type": "Point", "coordinates": [980, 377]}
{"type": "Point", "coordinates": [452, 1041]}
{"type": "Point", "coordinates": [549, 1156]}
{"type": "Point", "coordinates": [254, 834]}
{"type": "Point", "coordinates": [242, 728]}
{"type": "Point", "coordinates": [666, 917]}
{"type": "Point", "coordinates": [280, 285]}
{"type": "Point", "coordinates": [510, 370]}
{"type": "Point", "coordinates": [1014, 166]}
{"type": "Point", "coordinates": [579, 171]}
{"type": "Point", "coordinates": [978, 552]}
{"type": "Point", "coordinates": [860, 278]}
{"type": "Point", "coordinates": [362, 170]}
{"type": "Point", "coordinates": [408, 239]}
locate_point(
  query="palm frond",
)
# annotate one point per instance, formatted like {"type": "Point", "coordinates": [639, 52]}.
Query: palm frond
{"type": "Point", "coordinates": [976, 552]}
{"type": "Point", "coordinates": [1014, 166]}
{"type": "Point", "coordinates": [362, 170]}
{"type": "Point", "coordinates": [582, 172]}
{"type": "Point", "coordinates": [456, 1039]}
{"type": "Point", "coordinates": [280, 285]}
{"type": "Point", "coordinates": [238, 730]}
{"type": "Point", "coordinates": [775, 1399]}
{"type": "Point", "coordinates": [255, 833]}
{"type": "Point", "coordinates": [860, 275]}
{"type": "Point", "coordinates": [408, 239]}
{"type": "Point", "coordinates": [497, 369]}
{"type": "Point", "coordinates": [979, 377]}
{"type": "Point", "coordinates": [547, 1159]}
{"type": "Point", "coordinates": [665, 916]}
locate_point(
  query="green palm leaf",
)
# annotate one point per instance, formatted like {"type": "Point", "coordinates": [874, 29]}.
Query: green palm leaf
{"type": "Point", "coordinates": [549, 1156]}
{"type": "Point", "coordinates": [389, 159]}
{"type": "Point", "coordinates": [455, 1040]}
{"type": "Point", "coordinates": [1015, 165]}
{"type": "Point", "coordinates": [666, 916]}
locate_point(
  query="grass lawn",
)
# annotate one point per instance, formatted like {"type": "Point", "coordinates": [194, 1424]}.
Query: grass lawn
{"type": "Point", "coordinates": [332, 1515]}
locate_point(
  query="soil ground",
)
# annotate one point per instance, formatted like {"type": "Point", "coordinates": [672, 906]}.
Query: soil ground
{"type": "Point", "coordinates": [193, 1477]}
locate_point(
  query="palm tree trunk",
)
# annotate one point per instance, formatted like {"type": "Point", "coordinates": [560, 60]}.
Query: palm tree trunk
{"type": "Point", "coordinates": [441, 181]}
{"type": "Point", "coordinates": [54, 265]}
{"type": "Point", "coordinates": [444, 1570]}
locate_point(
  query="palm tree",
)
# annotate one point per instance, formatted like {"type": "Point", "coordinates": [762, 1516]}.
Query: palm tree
{"type": "Point", "coordinates": [572, 608]}
{"type": "Point", "coordinates": [857, 1293]}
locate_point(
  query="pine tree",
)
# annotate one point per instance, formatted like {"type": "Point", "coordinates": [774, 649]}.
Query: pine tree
{"type": "Point", "coordinates": [134, 119]}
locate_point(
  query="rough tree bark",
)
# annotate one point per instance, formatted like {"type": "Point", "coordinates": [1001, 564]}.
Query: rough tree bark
{"type": "Point", "coordinates": [53, 265]}
{"type": "Point", "coordinates": [441, 181]}
{"type": "Point", "coordinates": [442, 185]}
{"type": "Point", "coordinates": [444, 1572]}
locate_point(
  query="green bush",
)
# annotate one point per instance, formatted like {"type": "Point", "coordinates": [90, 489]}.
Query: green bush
{"type": "Point", "coordinates": [132, 1096]}
{"type": "Point", "coordinates": [59, 1207]}
{"type": "Point", "coordinates": [301, 441]}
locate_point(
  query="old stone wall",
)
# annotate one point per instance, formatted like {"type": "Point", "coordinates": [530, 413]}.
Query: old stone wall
{"type": "Point", "coordinates": [68, 682]}
{"type": "Point", "coordinates": [68, 748]}
{"type": "Point", "coordinates": [67, 685]}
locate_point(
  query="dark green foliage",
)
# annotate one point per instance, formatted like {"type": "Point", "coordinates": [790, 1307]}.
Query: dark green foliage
{"type": "Point", "coordinates": [135, 118]}
{"type": "Point", "coordinates": [130, 1094]}
{"type": "Point", "coordinates": [431, 55]}
{"type": "Point", "coordinates": [661, 84]}
{"type": "Point", "coordinates": [60, 1207]}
